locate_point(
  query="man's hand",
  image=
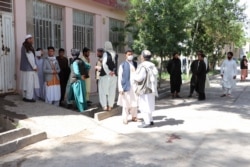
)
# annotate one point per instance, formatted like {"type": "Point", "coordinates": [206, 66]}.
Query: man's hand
{"type": "Point", "coordinates": [83, 77]}
{"type": "Point", "coordinates": [111, 73]}
{"type": "Point", "coordinates": [221, 75]}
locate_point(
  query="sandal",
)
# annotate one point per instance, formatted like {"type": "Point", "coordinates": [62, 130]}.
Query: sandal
{"type": "Point", "coordinates": [135, 119]}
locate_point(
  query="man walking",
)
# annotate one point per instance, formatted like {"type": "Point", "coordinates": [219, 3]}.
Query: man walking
{"type": "Point", "coordinates": [228, 73]}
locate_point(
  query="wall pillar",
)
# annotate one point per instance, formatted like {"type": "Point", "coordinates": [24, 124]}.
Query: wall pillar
{"type": "Point", "coordinates": [20, 31]}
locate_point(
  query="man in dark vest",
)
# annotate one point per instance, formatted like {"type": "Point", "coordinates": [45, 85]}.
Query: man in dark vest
{"type": "Point", "coordinates": [28, 68]}
{"type": "Point", "coordinates": [108, 77]}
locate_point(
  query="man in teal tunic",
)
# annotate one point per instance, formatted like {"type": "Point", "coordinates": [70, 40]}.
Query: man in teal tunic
{"type": "Point", "coordinates": [77, 90]}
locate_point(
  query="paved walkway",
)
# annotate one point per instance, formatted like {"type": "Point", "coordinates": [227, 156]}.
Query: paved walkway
{"type": "Point", "coordinates": [187, 133]}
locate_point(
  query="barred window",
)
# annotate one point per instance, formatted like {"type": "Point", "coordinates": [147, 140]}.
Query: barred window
{"type": "Point", "coordinates": [48, 24]}
{"type": "Point", "coordinates": [83, 30]}
{"type": "Point", "coordinates": [117, 34]}
{"type": "Point", "coordinates": [6, 5]}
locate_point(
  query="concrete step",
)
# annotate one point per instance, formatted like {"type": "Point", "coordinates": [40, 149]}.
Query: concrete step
{"type": "Point", "coordinates": [13, 134]}
{"type": "Point", "coordinates": [1, 129]}
{"type": "Point", "coordinates": [21, 142]}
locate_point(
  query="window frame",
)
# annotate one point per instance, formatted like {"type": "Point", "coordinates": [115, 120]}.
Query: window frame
{"type": "Point", "coordinates": [48, 25]}
{"type": "Point", "coordinates": [83, 29]}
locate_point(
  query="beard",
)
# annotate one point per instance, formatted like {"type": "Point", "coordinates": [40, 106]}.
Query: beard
{"type": "Point", "coordinates": [229, 58]}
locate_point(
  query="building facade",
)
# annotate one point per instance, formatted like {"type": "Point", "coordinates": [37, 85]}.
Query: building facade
{"type": "Point", "coordinates": [60, 23]}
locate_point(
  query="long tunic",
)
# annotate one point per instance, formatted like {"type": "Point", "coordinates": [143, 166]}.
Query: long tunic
{"type": "Point", "coordinates": [52, 92]}
{"type": "Point", "coordinates": [107, 83]}
{"type": "Point", "coordinates": [29, 79]}
{"type": "Point", "coordinates": [228, 70]}
{"type": "Point", "coordinates": [128, 99]}
{"type": "Point", "coordinates": [201, 79]}
{"type": "Point", "coordinates": [63, 74]}
{"type": "Point", "coordinates": [77, 90]}
{"type": "Point", "coordinates": [174, 69]}
{"type": "Point", "coordinates": [40, 92]}
{"type": "Point", "coordinates": [146, 102]}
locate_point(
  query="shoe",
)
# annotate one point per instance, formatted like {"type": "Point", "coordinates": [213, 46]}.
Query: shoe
{"type": "Point", "coordinates": [88, 102]}
{"type": "Point", "coordinates": [125, 121]}
{"type": "Point", "coordinates": [134, 119]}
{"type": "Point", "coordinates": [70, 106]}
{"type": "Point", "coordinates": [29, 100]}
{"type": "Point", "coordinates": [189, 95]}
{"type": "Point", "coordinates": [144, 126]}
{"type": "Point", "coordinates": [177, 96]}
{"type": "Point", "coordinates": [173, 96]}
{"type": "Point", "coordinates": [229, 95]}
{"type": "Point", "coordinates": [152, 123]}
{"type": "Point", "coordinates": [105, 108]}
{"type": "Point", "coordinates": [223, 95]}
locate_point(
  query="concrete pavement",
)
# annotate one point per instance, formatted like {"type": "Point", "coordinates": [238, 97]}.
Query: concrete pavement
{"type": "Point", "coordinates": [187, 133]}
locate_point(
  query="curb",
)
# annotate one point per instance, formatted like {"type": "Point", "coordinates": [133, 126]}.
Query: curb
{"type": "Point", "coordinates": [21, 142]}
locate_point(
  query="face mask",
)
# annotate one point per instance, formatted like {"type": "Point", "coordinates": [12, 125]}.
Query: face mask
{"type": "Point", "coordinates": [130, 58]}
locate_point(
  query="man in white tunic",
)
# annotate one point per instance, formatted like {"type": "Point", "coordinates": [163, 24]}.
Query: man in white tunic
{"type": "Point", "coordinates": [228, 73]}
{"type": "Point", "coordinates": [126, 86]}
{"type": "Point", "coordinates": [29, 78]}
{"type": "Point", "coordinates": [146, 78]}
{"type": "Point", "coordinates": [108, 77]}
{"type": "Point", "coordinates": [39, 61]}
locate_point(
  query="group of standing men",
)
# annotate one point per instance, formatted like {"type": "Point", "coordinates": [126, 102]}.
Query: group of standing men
{"type": "Point", "coordinates": [199, 69]}
{"type": "Point", "coordinates": [199, 79]}
{"type": "Point", "coordinates": [48, 78]}
{"type": "Point", "coordinates": [137, 85]}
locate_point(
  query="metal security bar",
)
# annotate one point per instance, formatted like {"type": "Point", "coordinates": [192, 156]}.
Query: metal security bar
{"type": "Point", "coordinates": [48, 25]}
{"type": "Point", "coordinates": [117, 34]}
{"type": "Point", "coordinates": [6, 5]}
{"type": "Point", "coordinates": [83, 30]}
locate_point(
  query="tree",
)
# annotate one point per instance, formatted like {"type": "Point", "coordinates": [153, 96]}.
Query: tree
{"type": "Point", "coordinates": [159, 25]}
{"type": "Point", "coordinates": [216, 23]}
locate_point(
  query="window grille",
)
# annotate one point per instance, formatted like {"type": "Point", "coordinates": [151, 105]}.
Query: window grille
{"type": "Point", "coordinates": [6, 5]}
{"type": "Point", "coordinates": [117, 34]}
{"type": "Point", "coordinates": [83, 30]}
{"type": "Point", "coordinates": [48, 25]}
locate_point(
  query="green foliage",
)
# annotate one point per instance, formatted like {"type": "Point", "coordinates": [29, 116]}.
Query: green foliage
{"type": "Point", "coordinates": [215, 24]}
{"type": "Point", "coordinates": [159, 25]}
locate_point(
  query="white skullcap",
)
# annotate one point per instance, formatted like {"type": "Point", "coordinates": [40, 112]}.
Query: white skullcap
{"type": "Point", "coordinates": [28, 36]}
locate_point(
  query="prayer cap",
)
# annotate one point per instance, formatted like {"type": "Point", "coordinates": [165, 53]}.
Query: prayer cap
{"type": "Point", "coordinates": [146, 54]}
{"type": "Point", "coordinates": [28, 36]}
